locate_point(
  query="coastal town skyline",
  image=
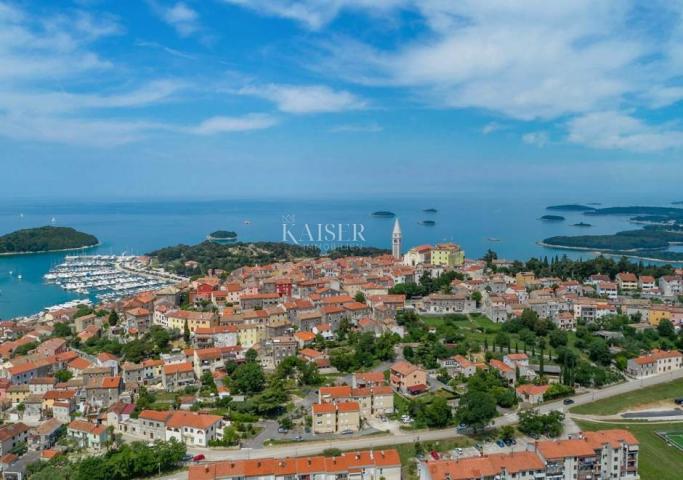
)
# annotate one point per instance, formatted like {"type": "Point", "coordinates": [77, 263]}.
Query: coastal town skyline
{"type": "Point", "coordinates": [341, 240]}
{"type": "Point", "coordinates": [426, 96]}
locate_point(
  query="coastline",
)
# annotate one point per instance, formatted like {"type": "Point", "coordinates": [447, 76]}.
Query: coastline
{"type": "Point", "coordinates": [611, 253]}
{"type": "Point", "coordinates": [73, 249]}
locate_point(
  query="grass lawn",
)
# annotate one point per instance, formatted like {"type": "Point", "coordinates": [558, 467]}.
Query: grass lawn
{"type": "Point", "coordinates": [657, 460]}
{"type": "Point", "coordinates": [614, 405]}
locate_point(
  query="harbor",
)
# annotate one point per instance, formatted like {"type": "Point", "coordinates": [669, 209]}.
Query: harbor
{"type": "Point", "coordinates": [107, 277]}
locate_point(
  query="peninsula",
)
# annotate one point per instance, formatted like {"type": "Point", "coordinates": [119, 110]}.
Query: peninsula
{"type": "Point", "coordinates": [45, 239]}
{"type": "Point", "coordinates": [552, 218]}
{"type": "Point", "coordinates": [650, 242]}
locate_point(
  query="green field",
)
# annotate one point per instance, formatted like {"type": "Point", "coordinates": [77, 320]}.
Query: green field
{"type": "Point", "coordinates": [657, 460]}
{"type": "Point", "coordinates": [614, 405]}
{"type": "Point", "coordinates": [676, 438]}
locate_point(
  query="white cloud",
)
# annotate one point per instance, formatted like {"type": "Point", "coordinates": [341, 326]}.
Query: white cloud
{"type": "Point", "coordinates": [180, 16]}
{"type": "Point", "coordinates": [539, 139]}
{"type": "Point", "coordinates": [492, 127]}
{"type": "Point", "coordinates": [314, 14]}
{"type": "Point", "coordinates": [222, 124]}
{"type": "Point", "coordinates": [36, 51]}
{"type": "Point", "coordinates": [306, 99]}
{"type": "Point", "coordinates": [615, 130]}
{"type": "Point", "coordinates": [357, 128]}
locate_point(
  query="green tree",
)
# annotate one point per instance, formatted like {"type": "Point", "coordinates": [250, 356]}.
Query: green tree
{"type": "Point", "coordinates": [438, 414]}
{"type": "Point", "coordinates": [476, 409]}
{"type": "Point", "coordinates": [186, 333]}
{"type": "Point", "coordinates": [476, 296]}
{"type": "Point", "coordinates": [666, 329]}
{"type": "Point", "coordinates": [63, 375]}
{"type": "Point", "coordinates": [360, 297]}
{"type": "Point", "coordinates": [248, 378]}
{"type": "Point", "coordinates": [61, 329]}
{"type": "Point", "coordinates": [113, 318]}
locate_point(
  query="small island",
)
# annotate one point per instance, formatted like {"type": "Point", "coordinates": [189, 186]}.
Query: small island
{"type": "Point", "coordinates": [430, 210]}
{"type": "Point", "coordinates": [222, 236]}
{"type": "Point", "coordinates": [383, 214]}
{"type": "Point", "coordinates": [45, 239]}
{"type": "Point", "coordinates": [428, 223]}
{"type": "Point", "coordinates": [582, 224]}
{"type": "Point", "coordinates": [552, 218]}
{"type": "Point", "coordinates": [570, 208]}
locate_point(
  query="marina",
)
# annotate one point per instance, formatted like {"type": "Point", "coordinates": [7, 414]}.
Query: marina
{"type": "Point", "coordinates": [106, 276]}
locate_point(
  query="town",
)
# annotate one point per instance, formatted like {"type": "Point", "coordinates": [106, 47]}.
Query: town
{"type": "Point", "coordinates": [419, 363]}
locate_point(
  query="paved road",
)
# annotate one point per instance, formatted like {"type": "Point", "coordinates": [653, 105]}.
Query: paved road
{"type": "Point", "coordinates": [315, 448]}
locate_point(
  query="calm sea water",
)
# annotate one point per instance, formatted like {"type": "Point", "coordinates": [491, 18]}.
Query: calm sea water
{"type": "Point", "coordinates": [139, 227]}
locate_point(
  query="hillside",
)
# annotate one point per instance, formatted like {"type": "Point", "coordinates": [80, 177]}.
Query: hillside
{"type": "Point", "coordinates": [45, 239]}
{"type": "Point", "coordinates": [228, 257]}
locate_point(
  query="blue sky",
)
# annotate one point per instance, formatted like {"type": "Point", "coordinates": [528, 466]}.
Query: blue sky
{"type": "Point", "coordinates": [219, 98]}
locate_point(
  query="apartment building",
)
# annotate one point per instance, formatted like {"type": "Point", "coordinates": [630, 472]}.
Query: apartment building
{"type": "Point", "coordinates": [339, 417]}
{"type": "Point", "coordinates": [654, 363]}
{"type": "Point", "coordinates": [607, 454]}
{"type": "Point", "coordinates": [363, 465]}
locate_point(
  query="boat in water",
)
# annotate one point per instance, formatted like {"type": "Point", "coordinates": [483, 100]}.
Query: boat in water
{"type": "Point", "coordinates": [427, 223]}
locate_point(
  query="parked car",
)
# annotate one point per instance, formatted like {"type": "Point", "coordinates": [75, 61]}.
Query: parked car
{"type": "Point", "coordinates": [299, 438]}
{"type": "Point", "coordinates": [347, 432]}
{"type": "Point", "coordinates": [507, 441]}
{"type": "Point", "coordinates": [434, 454]}
{"type": "Point", "coordinates": [500, 443]}
{"type": "Point", "coordinates": [187, 457]}
{"type": "Point", "coordinates": [282, 430]}
{"type": "Point", "coordinates": [568, 401]}
{"type": "Point", "coordinates": [678, 401]}
{"type": "Point", "coordinates": [199, 457]}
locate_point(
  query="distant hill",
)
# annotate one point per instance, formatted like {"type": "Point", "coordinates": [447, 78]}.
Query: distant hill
{"type": "Point", "coordinates": [45, 239]}
{"type": "Point", "coordinates": [229, 257]}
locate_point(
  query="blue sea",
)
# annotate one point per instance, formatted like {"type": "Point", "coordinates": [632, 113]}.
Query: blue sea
{"type": "Point", "coordinates": [138, 227]}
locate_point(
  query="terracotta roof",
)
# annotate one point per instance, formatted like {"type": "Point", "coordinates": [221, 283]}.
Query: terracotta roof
{"type": "Point", "coordinates": [485, 467]}
{"type": "Point", "coordinates": [174, 368]}
{"type": "Point", "coordinates": [193, 420]}
{"type": "Point", "coordinates": [554, 449]}
{"type": "Point", "coordinates": [83, 426]}
{"type": "Point", "coordinates": [155, 415]}
{"type": "Point", "coordinates": [11, 430]}
{"type": "Point", "coordinates": [341, 391]}
{"type": "Point", "coordinates": [295, 466]}
{"type": "Point", "coordinates": [322, 408]}
{"type": "Point", "coordinates": [530, 389]}
{"type": "Point", "coordinates": [404, 368]}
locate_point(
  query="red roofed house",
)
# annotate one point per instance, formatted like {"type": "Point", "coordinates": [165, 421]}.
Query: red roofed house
{"type": "Point", "coordinates": [88, 435]}
{"type": "Point", "coordinates": [177, 375]}
{"type": "Point", "coordinates": [655, 363]}
{"type": "Point", "coordinates": [530, 393]}
{"type": "Point", "coordinates": [104, 392]}
{"type": "Point", "coordinates": [194, 429]}
{"type": "Point", "coordinates": [408, 378]}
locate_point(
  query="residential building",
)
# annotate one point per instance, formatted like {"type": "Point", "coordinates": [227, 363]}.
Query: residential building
{"type": "Point", "coordinates": [408, 378]}
{"type": "Point", "coordinates": [361, 465]}
{"type": "Point", "coordinates": [448, 255]}
{"type": "Point", "coordinates": [655, 363]}
{"type": "Point", "coordinates": [88, 435]}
